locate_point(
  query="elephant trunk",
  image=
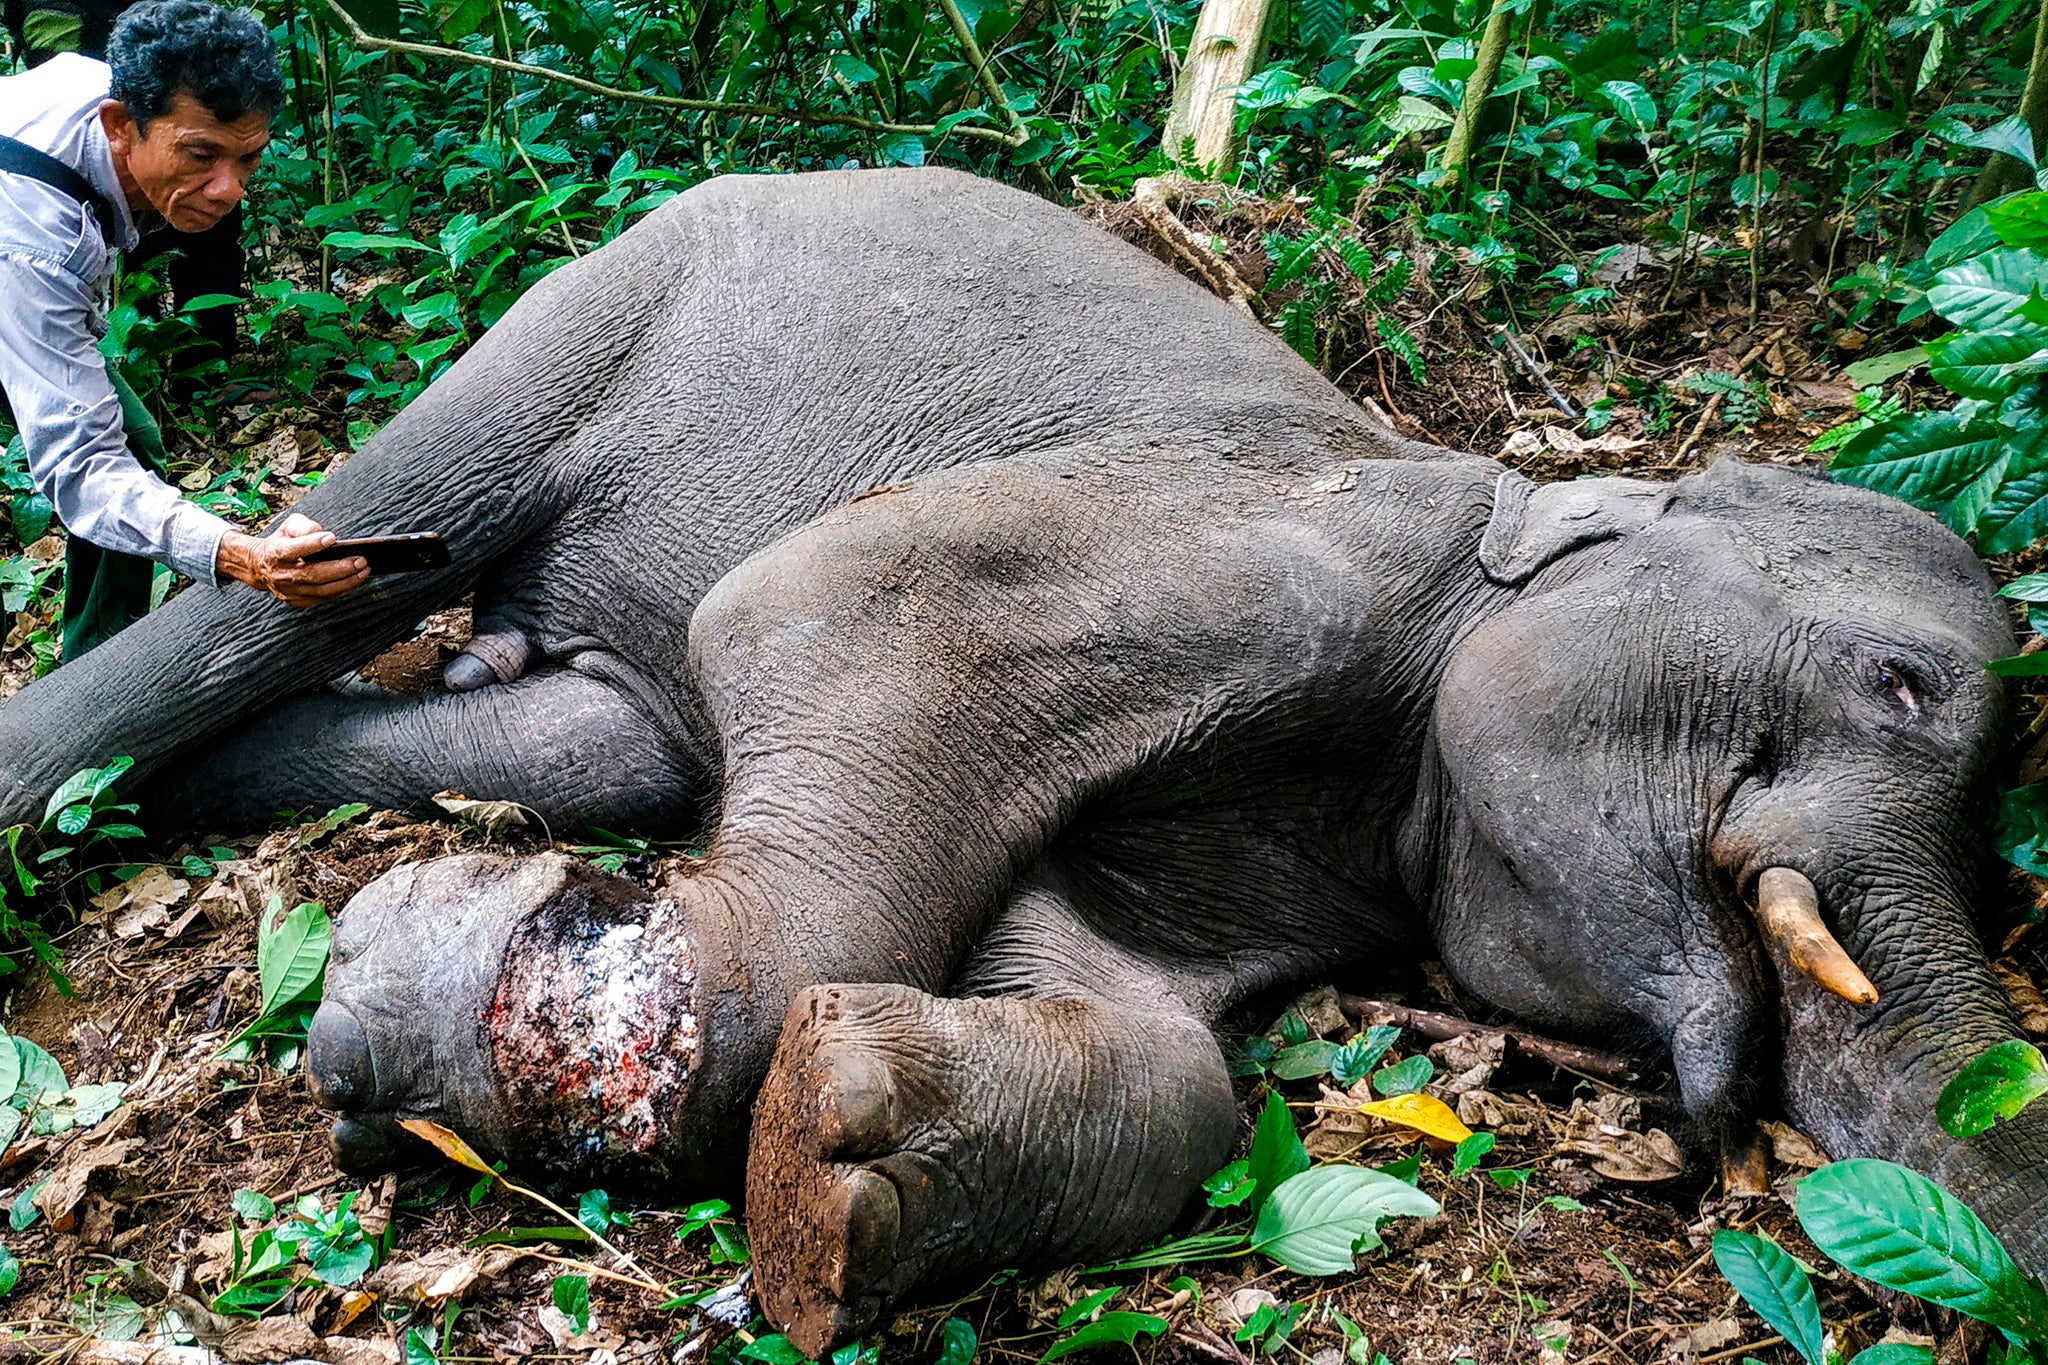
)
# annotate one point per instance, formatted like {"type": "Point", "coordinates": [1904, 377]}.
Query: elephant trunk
{"type": "Point", "coordinates": [1863, 1080]}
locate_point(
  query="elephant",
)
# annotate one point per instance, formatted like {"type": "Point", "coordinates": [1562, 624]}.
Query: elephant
{"type": "Point", "coordinates": [1062, 661]}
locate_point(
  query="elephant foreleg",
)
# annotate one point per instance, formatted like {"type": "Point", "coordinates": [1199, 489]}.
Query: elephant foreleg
{"type": "Point", "coordinates": [903, 1139]}
{"type": "Point", "coordinates": [567, 746]}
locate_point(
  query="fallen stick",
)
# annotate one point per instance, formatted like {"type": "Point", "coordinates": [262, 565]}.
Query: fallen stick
{"type": "Point", "coordinates": [1537, 373]}
{"type": "Point", "coordinates": [1604, 1066]}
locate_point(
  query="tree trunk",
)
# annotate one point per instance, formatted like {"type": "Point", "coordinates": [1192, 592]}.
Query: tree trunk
{"type": "Point", "coordinates": [2003, 173]}
{"type": "Point", "coordinates": [1493, 46]}
{"type": "Point", "coordinates": [1228, 46]}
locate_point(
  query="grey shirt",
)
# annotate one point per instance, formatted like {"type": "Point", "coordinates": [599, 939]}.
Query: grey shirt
{"type": "Point", "coordinates": [56, 267]}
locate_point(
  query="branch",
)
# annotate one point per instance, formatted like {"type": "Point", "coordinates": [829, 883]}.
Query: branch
{"type": "Point", "coordinates": [993, 88]}
{"type": "Point", "coordinates": [364, 39]}
{"type": "Point", "coordinates": [1605, 1066]}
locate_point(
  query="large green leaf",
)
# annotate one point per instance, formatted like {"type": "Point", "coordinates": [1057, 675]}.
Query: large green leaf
{"type": "Point", "coordinates": [1774, 1287]}
{"type": "Point", "coordinates": [1996, 1085]}
{"type": "Point", "coordinates": [2021, 832]}
{"type": "Point", "coordinates": [1903, 1231]}
{"type": "Point", "coordinates": [1121, 1328]}
{"type": "Point", "coordinates": [1926, 458]}
{"type": "Point", "coordinates": [292, 957]}
{"type": "Point", "coordinates": [1988, 365]}
{"type": "Point", "coordinates": [2017, 514]}
{"type": "Point", "coordinates": [1277, 1154]}
{"type": "Point", "coordinates": [1315, 1223]}
{"type": "Point", "coordinates": [41, 1074]}
{"type": "Point", "coordinates": [2020, 220]}
{"type": "Point", "coordinates": [1987, 291]}
{"type": "Point", "coordinates": [10, 1067]}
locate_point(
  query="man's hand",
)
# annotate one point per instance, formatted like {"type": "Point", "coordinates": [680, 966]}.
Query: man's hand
{"type": "Point", "coordinates": [275, 563]}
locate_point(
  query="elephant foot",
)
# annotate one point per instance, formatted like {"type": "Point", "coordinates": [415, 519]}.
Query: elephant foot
{"type": "Point", "coordinates": [539, 1008]}
{"type": "Point", "coordinates": [850, 1194]}
{"type": "Point", "coordinates": [902, 1140]}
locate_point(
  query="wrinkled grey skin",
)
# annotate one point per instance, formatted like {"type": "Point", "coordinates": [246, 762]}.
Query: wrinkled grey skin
{"type": "Point", "coordinates": [1153, 674]}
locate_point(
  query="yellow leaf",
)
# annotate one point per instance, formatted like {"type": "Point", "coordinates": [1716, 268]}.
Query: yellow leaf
{"type": "Point", "coordinates": [1424, 1113]}
{"type": "Point", "coordinates": [448, 1144]}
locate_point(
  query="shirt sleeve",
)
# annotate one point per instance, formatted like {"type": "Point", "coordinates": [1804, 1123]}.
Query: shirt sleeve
{"type": "Point", "coordinates": [70, 418]}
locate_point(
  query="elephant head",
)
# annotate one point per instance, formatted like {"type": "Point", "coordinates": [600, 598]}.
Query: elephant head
{"type": "Point", "coordinates": [1721, 772]}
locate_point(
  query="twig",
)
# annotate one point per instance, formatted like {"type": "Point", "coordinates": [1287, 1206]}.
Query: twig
{"type": "Point", "coordinates": [1149, 196]}
{"type": "Point", "coordinates": [1536, 372]}
{"type": "Point", "coordinates": [1754, 354]}
{"type": "Point", "coordinates": [364, 39]}
{"type": "Point", "coordinates": [1605, 1066]}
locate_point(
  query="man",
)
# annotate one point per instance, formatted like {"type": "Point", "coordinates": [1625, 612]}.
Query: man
{"type": "Point", "coordinates": [210, 262]}
{"type": "Point", "coordinates": [172, 125]}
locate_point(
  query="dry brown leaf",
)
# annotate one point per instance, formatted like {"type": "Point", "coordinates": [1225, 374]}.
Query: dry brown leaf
{"type": "Point", "coordinates": [440, 1275]}
{"type": "Point", "coordinates": [142, 902]}
{"type": "Point", "coordinates": [60, 1197]}
{"type": "Point", "coordinates": [1794, 1148]}
{"type": "Point", "coordinates": [494, 818]}
{"type": "Point", "coordinates": [272, 1339]}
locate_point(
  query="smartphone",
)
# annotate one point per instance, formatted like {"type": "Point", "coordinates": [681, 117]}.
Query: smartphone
{"type": "Point", "coordinates": [390, 554]}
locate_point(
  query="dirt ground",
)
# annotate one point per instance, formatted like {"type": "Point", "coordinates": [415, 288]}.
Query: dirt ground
{"type": "Point", "coordinates": [1600, 1256]}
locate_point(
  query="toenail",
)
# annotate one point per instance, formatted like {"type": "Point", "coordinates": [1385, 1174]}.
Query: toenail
{"type": "Point", "coordinates": [366, 1145]}
{"type": "Point", "coordinates": [338, 1059]}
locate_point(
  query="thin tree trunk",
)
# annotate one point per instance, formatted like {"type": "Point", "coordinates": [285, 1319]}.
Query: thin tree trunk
{"type": "Point", "coordinates": [2003, 172]}
{"type": "Point", "coordinates": [1493, 46]}
{"type": "Point", "coordinates": [1228, 46]}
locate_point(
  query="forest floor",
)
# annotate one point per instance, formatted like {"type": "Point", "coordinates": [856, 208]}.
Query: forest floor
{"type": "Point", "coordinates": [1599, 1256]}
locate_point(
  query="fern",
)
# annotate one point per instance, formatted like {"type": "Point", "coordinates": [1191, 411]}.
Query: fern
{"type": "Point", "coordinates": [1402, 344]}
{"type": "Point", "coordinates": [1393, 282]}
{"type": "Point", "coordinates": [1297, 327]}
{"type": "Point", "coordinates": [1291, 258]}
{"type": "Point", "coordinates": [1356, 257]}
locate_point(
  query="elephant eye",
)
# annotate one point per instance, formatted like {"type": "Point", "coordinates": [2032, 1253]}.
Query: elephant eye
{"type": "Point", "coordinates": [1894, 681]}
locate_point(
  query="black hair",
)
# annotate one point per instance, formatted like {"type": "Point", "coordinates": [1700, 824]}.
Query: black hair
{"type": "Point", "coordinates": [221, 57]}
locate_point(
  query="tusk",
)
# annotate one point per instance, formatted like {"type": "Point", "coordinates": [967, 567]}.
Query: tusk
{"type": "Point", "coordinates": [1788, 911]}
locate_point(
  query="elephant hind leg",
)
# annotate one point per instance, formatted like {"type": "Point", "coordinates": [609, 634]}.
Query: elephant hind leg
{"type": "Point", "coordinates": [903, 1139]}
{"type": "Point", "coordinates": [568, 746]}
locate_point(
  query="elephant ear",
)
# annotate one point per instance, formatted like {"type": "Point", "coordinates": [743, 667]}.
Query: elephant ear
{"type": "Point", "coordinates": [1533, 526]}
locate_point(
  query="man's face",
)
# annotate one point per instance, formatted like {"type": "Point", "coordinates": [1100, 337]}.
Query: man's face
{"type": "Point", "coordinates": [190, 167]}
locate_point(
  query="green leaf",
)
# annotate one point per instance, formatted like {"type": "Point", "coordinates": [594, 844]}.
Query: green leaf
{"type": "Point", "coordinates": [22, 1214]}
{"type": "Point", "coordinates": [1925, 459]}
{"type": "Point", "coordinates": [1297, 327]}
{"type": "Point", "coordinates": [372, 241]}
{"type": "Point", "coordinates": [1119, 1328]}
{"type": "Point", "coordinates": [2021, 220]}
{"type": "Point", "coordinates": [571, 1294]}
{"type": "Point", "coordinates": [1903, 1231]}
{"type": "Point", "coordinates": [1774, 1287]}
{"type": "Point", "coordinates": [10, 1067]}
{"type": "Point", "coordinates": [1080, 1309]}
{"type": "Point", "coordinates": [1894, 1353]}
{"type": "Point", "coordinates": [1996, 1085]}
{"type": "Point", "coordinates": [2017, 514]}
{"type": "Point", "coordinates": [1987, 291]}
{"type": "Point", "coordinates": [1470, 1153]}
{"type": "Point", "coordinates": [774, 1350]}
{"type": "Point", "coordinates": [1230, 1186]}
{"type": "Point", "coordinates": [254, 1207]}
{"type": "Point", "coordinates": [1315, 1223]}
{"type": "Point", "coordinates": [1404, 1077]}
{"type": "Point", "coordinates": [1277, 1154]}
{"type": "Point", "coordinates": [2033, 665]}
{"type": "Point", "coordinates": [1877, 369]}
{"type": "Point", "coordinates": [853, 69]}
{"type": "Point", "coordinates": [901, 149]}
{"type": "Point", "coordinates": [2031, 587]}
{"type": "Point", "coordinates": [957, 1342]}
{"type": "Point", "coordinates": [1322, 25]}
{"type": "Point", "coordinates": [1632, 102]}
{"type": "Point", "coordinates": [2010, 136]}
{"type": "Point", "coordinates": [10, 1272]}
{"type": "Point", "coordinates": [1362, 1052]}
{"type": "Point", "coordinates": [1414, 114]}
{"type": "Point", "coordinates": [291, 959]}
{"type": "Point", "coordinates": [1313, 1058]}
{"type": "Point", "coordinates": [40, 1073]}
{"type": "Point", "coordinates": [340, 1266]}
{"type": "Point", "coordinates": [1988, 365]}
